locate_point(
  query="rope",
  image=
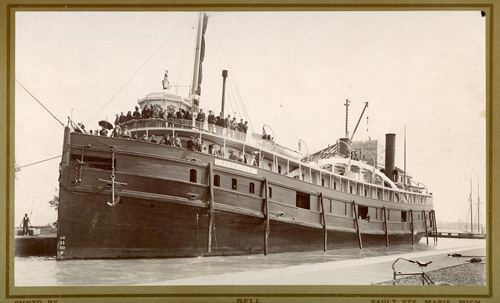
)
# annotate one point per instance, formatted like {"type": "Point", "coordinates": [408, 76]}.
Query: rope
{"type": "Point", "coordinates": [38, 162]}
{"type": "Point", "coordinates": [123, 86]}
{"type": "Point", "coordinates": [39, 102]}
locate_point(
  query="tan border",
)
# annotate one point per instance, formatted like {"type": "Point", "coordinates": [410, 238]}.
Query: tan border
{"type": "Point", "coordinates": [232, 293]}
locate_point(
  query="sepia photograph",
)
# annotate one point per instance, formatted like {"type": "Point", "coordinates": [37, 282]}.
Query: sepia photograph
{"type": "Point", "coordinates": [250, 148]}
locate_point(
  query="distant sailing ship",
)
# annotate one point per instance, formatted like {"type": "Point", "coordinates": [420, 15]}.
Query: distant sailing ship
{"type": "Point", "coordinates": [125, 198]}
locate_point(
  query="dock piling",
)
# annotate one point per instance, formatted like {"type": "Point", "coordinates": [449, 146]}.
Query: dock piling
{"type": "Point", "coordinates": [210, 206]}
{"type": "Point", "coordinates": [357, 224]}
{"type": "Point", "coordinates": [385, 228]}
{"type": "Point", "coordinates": [325, 232]}
{"type": "Point", "coordinates": [426, 232]}
{"type": "Point", "coordinates": [266, 217]}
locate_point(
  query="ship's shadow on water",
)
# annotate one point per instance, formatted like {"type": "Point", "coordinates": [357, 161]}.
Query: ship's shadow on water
{"type": "Point", "coordinates": [46, 271]}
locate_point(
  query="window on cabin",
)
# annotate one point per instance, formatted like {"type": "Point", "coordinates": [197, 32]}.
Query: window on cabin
{"type": "Point", "coordinates": [279, 169]}
{"type": "Point", "coordinates": [251, 188]}
{"type": "Point", "coordinates": [302, 200]}
{"type": "Point", "coordinates": [345, 209]}
{"type": "Point", "coordinates": [193, 175]}
{"type": "Point", "coordinates": [404, 217]}
{"type": "Point", "coordinates": [217, 180]}
{"type": "Point", "coordinates": [366, 193]}
{"type": "Point", "coordinates": [363, 212]}
{"type": "Point", "coordinates": [234, 184]}
{"type": "Point", "coordinates": [270, 190]}
{"type": "Point", "coordinates": [350, 189]}
{"type": "Point", "coordinates": [334, 185]}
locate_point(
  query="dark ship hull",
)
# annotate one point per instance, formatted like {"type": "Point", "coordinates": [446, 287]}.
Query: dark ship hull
{"type": "Point", "coordinates": [172, 202]}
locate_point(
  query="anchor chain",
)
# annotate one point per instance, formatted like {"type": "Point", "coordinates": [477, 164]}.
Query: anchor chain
{"type": "Point", "coordinates": [114, 201]}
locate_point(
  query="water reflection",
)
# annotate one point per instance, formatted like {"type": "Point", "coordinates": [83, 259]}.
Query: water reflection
{"type": "Point", "coordinates": [44, 271]}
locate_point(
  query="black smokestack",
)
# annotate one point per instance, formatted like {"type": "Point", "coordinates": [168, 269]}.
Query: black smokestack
{"type": "Point", "coordinates": [390, 154]}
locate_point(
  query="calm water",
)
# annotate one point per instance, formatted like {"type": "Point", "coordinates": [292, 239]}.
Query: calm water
{"type": "Point", "coordinates": [46, 271]}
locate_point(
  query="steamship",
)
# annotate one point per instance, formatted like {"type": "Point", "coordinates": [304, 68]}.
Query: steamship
{"type": "Point", "coordinates": [126, 198]}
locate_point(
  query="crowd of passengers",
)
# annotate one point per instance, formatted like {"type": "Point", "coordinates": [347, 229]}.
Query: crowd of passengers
{"type": "Point", "coordinates": [193, 144]}
{"type": "Point", "coordinates": [157, 112]}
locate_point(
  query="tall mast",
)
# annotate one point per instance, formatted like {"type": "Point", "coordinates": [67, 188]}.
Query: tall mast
{"type": "Point", "coordinates": [196, 70]}
{"type": "Point", "coordinates": [470, 200]}
{"type": "Point", "coordinates": [478, 202]}
{"type": "Point", "coordinates": [347, 117]}
{"type": "Point", "coordinates": [404, 169]}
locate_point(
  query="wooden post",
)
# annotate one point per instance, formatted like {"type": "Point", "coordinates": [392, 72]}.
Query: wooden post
{"type": "Point", "coordinates": [426, 232]}
{"type": "Point", "coordinates": [434, 224]}
{"type": "Point", "coordinates": [412, 228]}
{"type": "Point", "coordinates": [210, 206]}
{"type": "Point", "coordinates": [385, 228]}
{"type": "Point", "coordinates": [266, 217]}
{"type": "Point", "coordinates": [325, 232]}
{"type": "Point", "coordinates": [357, 224]}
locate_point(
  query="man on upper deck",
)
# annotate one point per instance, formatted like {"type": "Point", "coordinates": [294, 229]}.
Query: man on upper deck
{"type": "Point", "coordinates": [211, 121]}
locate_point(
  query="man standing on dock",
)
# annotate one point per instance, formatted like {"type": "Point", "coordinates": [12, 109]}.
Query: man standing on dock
{"type": "Point", "coordinates": [25, 223]}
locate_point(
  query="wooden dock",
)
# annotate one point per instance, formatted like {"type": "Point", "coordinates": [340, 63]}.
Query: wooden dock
{"type": "Point", "coordinates": [458, 235]}
{"type": "Point", "coordinates": [41, 245]}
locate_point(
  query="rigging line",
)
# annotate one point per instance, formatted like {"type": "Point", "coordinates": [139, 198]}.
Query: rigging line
{"type": "Point", "coordinates": [224, 57]}
{"type": "Point", "coordinates": [243, 104]}
{"type": "Point", "coordinates": [236, 98]}
{"type": "Point", "coordinates": [138, 70]}
{"type": "Point", "coordinates": [39, 102]}
{"type": "Point", "coordinates": [19, 167]}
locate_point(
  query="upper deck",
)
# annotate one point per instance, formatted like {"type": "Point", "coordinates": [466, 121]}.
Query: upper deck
{"type": "Point", "coordinates": [338, 173]}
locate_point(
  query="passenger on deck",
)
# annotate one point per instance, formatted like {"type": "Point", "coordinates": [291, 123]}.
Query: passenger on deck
{"type": "Point", "coordinates": [167, 140]}
{"type": "Point", "coordinates": [201, 116]}
{"type": "Point", "coordinates": [155, 112]}
{"type": "Point", "coordinates": [232, 156]}
{"type": "Point", "coordinates": [126, 133]}
{"type": "Point", "coordinates": [177, 141]}
{"type": "Point", "coordinates": [129, 116]}
{"type": "Point", "coordinates": [198, 145]}
{"type": "Point", "coordinates": [161, 114]}
{"type": "Point", "coordinates": [220, 123]}
{"type": "Point", "coordinates": [211, 121]}
{"type": "Point", "coordinates": [145, 112]}
{"type": "Point", "coordinates": [227, 124]}
{"type": "Point", "coordinates": [116, 132]}
{"type": "Point", "coordinates": [240, 157]}
{"type": "Point", "coordinates": [245, 129]}
{"type": "Point", "coordinates": [117, 119]}
{"type": "Point", "coordinates": [153, 139]}
{"type": "Point", "coordinates": [241, 126]}
{"type": "Point", "coordinates": [191, 144]}
{"type": "Point", "coordinates": [180, 114]}
{"type": "Point", "coordinates": [122, 118]}
{"type": "Point", "coordinates": [256, 159]}
{"type": "Point", "coordinates": [103, 131]}
{"type": "Point", "coordinates": [233, 127]}
{"type": "Point", "coordinates": [170, 116]}
{"type": "Point", "coordinates": [137, 114]}
{"type": "Point", "coordinates": [144, 138]}
{"type": "Point", "coordinates": [204, 148]}
{"type": "Point", "coordinates": [135, 138]}
{"type": "Point", "coordinates": [220, 152]}
{"type": "Point", "coordinates": [188, 115]}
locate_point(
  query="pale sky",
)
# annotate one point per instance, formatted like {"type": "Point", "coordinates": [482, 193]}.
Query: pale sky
{"type": "Point", "coordinates": [293, 70]}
